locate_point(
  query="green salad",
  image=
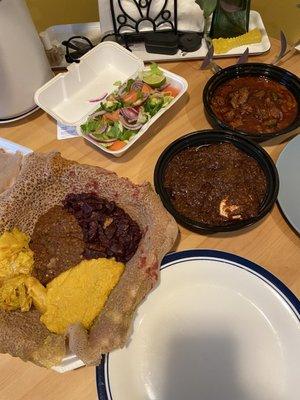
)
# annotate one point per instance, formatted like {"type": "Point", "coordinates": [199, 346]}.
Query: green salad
{"type": "Point", "coordinates": [122, 114]}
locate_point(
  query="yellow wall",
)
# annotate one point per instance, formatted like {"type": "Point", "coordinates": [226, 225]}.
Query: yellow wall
{"type": "Point", "coordinates": [280, 15]}
{"type": "Point", "coordinates": [46, 13]}
{"type": "Point", "coordinates": [277, 14]}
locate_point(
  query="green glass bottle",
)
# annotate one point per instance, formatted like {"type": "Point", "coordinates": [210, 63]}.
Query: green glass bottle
{"type": "Point", "coordinates": [230, 18]}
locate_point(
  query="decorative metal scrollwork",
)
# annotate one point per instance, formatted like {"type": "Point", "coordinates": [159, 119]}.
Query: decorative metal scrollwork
{"type": "Point", "coordinates": [131, 16]}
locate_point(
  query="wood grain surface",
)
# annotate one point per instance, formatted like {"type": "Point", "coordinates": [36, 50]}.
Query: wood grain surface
{"type": "Point", "coordinates": [271, 243]}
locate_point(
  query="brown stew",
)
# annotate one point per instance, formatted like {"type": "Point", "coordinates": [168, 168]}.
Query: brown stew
{"type": "Point", "coordinates": [108, 231]}
{"type": "Point", "coordinates": [57, 243]}
{"type": "Point", "coordinates": [216, 184]}
{"type": "Point", "coordinates": [254, 105]}
{"type": "Point", "coordinates": [86, 227]}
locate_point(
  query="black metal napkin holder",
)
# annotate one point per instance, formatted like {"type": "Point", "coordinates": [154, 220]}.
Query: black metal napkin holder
{"type": "Point", "coordinates": [163, 38]}
{"type": "Point", "coordinates": [125, 24]}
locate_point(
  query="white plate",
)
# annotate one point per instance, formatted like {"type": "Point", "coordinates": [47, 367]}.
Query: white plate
{"type": "Point", "coordinates": [13, 147]}
{"type": "Point", "coordinates": [288, 166]}
{"type": "Point", "coordinates": [218, 327]}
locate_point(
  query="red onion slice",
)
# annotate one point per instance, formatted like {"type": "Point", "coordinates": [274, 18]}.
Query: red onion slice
{"type": "Point", "coordinates": [134, 110]}
{"type": "Point", "coordinates": [127, 125]}
{"type": "Point", "coordinates": [98, 98]}
{"type": "Point", "coordinates": [102, 140]}
{"type": "Point", "coordinates": [129, 113]}
{"type": "Point", "coordinates": [98, 113]}
{"type": "Point", "coordinates": [98, 132]}
{"type": "Point", "coordinates": [102, 129]}
{"type": "Point", "coordinates": [137, 85]}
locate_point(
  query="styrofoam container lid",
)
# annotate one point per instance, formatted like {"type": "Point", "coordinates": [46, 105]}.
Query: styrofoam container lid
{"type": "Point", "coordinates": [66, 97]}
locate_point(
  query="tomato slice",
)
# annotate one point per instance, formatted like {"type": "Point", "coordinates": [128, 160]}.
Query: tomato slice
{"type": "Point", "coordinates": [171, 90]}
{"type": "Point", "coordinates": [130, 97]}
{"type": "Point", "coordinates": [117, 145]}
{"type": "Point", "coordinates": [113, 116]}
{"type": "Point", "coordinates": [146, 89]}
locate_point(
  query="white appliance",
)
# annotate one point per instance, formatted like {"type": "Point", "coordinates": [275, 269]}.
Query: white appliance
{"type": "Point", "coordinates": [24, 66]}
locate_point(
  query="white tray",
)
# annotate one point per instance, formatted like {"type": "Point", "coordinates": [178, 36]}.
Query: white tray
{"type": "Point", "coordinates": [94, 32]}
{"type": "Point", "coordinates": [189, 18]}
{"type": "Point", "coordinates": [69, 362]}
{"type": "Point", "coordinates": [255, 21]}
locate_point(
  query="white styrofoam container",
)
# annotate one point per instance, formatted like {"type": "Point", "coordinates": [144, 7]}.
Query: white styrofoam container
{"type": "Point", "coordinates": [66, 96]}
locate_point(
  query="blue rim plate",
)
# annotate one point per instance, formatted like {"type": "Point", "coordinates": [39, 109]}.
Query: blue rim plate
{"type": "Point", "coordinates": [288, 165]}
{"type": "Point", "coordinates": [217, 326]}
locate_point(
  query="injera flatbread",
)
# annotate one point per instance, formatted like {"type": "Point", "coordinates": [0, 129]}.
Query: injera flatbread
{"type": "Point", "coordinates": [44, 181]}
{"type": "Point", "coordinates": [10, 164]}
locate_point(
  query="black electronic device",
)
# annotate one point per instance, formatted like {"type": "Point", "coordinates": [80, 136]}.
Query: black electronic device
{"type": "Point", "coordinates": [161, 42]}
{"type": "Point", "coordinates": [189, 41]}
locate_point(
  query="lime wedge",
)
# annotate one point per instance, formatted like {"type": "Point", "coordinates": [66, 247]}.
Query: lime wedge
{"type": "Point", "coordinates": [154, 80]}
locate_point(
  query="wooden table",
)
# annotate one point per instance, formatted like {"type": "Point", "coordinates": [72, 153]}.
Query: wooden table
{"type": "Point", "coordinates": [272, 243]}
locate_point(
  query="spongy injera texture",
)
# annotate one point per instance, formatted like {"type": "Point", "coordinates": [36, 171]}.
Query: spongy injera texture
{"type": "Point", "coordinates": [44, 181]}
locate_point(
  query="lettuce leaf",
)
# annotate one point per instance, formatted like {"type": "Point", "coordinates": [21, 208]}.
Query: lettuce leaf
{"type": "Point", "coordinates": [90, 126]}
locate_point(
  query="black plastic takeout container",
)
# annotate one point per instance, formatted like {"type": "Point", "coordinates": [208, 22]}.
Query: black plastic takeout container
{"type": "Point", "coordinates": [280, 75]}
{"type": "Point", "coordinates": [206, 137]}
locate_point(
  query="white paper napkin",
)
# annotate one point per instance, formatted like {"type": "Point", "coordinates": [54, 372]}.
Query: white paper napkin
{"type": "Point", "coordinates": [69, 363]}
{"type": "Point", "coordinates": [189, 14]}
{"type": "Point", "coordinates": [66, 132]}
